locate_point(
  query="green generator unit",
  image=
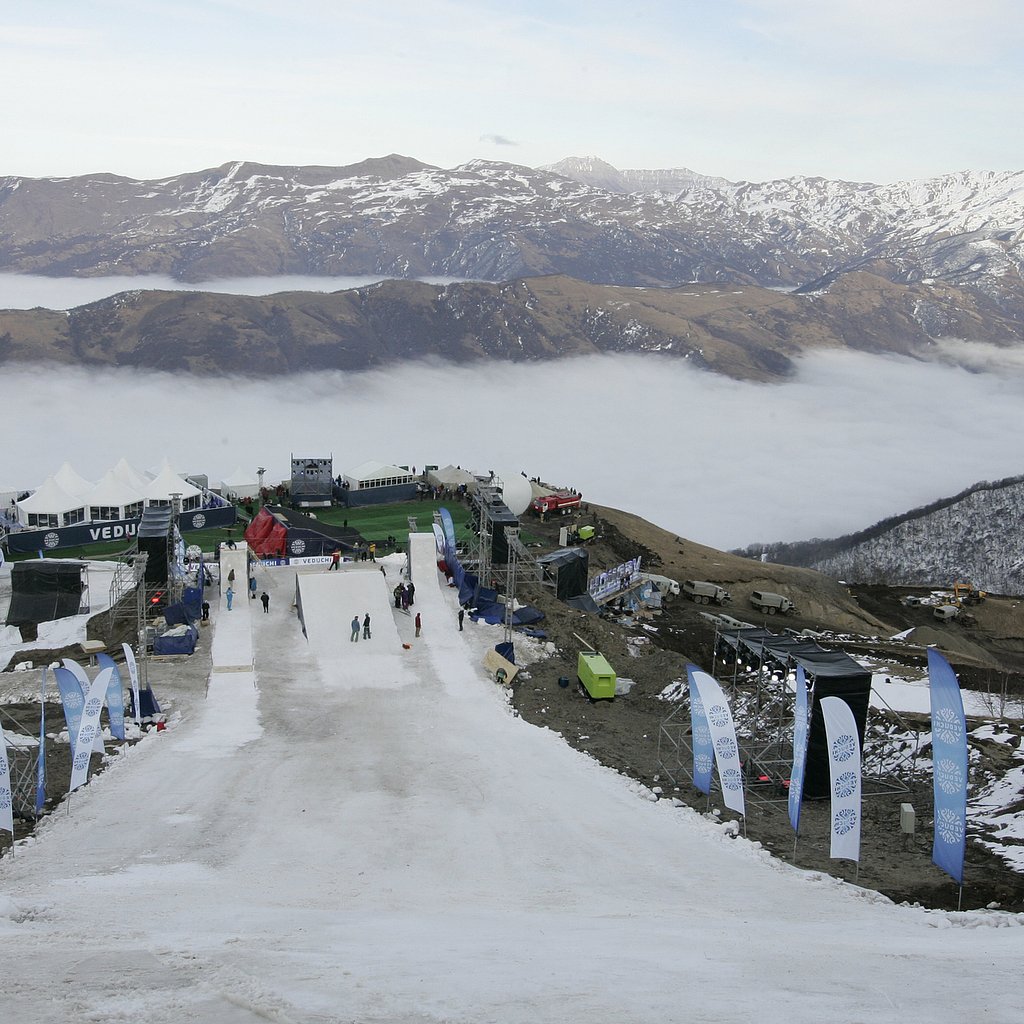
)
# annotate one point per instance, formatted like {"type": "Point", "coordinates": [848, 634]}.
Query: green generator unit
{"type": "Point", "coordinates": [596, 676]}
{"type": "Point", "coordinates": [585, 533]}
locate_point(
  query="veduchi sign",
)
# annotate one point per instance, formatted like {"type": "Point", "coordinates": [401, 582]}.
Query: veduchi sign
{"type": "Point", "coordinates": [614, 580]}
{"type": "Point", "coordinates": [28, 541]}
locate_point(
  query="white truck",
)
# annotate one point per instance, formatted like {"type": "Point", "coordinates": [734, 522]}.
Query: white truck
{"type": "Point", "coordinates": [765, 601]}
{"type": "Point", "coordinates": [702, 592]}
{"type": "Point", "coordinates": [663, 583]}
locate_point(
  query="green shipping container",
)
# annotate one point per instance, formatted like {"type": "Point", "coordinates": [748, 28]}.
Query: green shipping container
{"type": "Point", "coordinates": [596, 675]}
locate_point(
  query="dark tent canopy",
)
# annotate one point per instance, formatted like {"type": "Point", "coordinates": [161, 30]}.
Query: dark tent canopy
{"type": "Point", "coordinates": [568, 568]}
{"type": "Point", "coordinates": [44, 589]}
{"type": "Point", "coordinates": [830, 673]}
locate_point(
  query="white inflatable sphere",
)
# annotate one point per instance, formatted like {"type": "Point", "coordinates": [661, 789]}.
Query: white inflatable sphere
{"type": "Point", "coordinates": [516, 492]}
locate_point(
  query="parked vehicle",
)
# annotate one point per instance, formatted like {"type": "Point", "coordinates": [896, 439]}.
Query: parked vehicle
{"type": "Point", "coordinates": [663, 583]}
{"type": "Point", "coordinates": [596, 677]}
{"type": "Point", "coordinates": [702, 592]}
{"type": "Point", "coordinates": [563, 504]}
{"type": "Point", "coordinates": [946, 612]}
{"type": "Point", "coordinates": [766, 601]}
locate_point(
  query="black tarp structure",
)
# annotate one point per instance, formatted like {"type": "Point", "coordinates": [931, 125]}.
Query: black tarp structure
{"type": "Point", "coordinates": [568, 568]}
{"type": "Point", "coordinates": [831, 673]}
{"type": "Point", "coordinates": [45, 589]}
{"type": "Point", "coordinates": [154, 538]}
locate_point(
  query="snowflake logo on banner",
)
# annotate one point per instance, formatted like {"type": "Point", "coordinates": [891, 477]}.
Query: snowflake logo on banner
{"type": "Point", "coordinates": [949, 826]}
{"type": "Point", "coordinates": [73, 700]}
{"type": "Point", "coordinates": [703, 763]}
{"type": "Point", "coordinates": [298, 546]}
{"type": "Point", "coordinates": [3, 765]}
{"type": "Point", "coordinates": [82, 760]}
{"type": "Point", "coordinates": [844, 747]}
{"type": "Point", "coordinates": [725, 746]}
{"type": "Point", "coordinates": [696, 707]}
{"type": "Point", "coordinates": [198, 521]}
{"type": "Point", "coordinates": [87, 734]}
{"type": "Point", "coordinates": [731, 779]}
{"type": "Point", "coordinates": [846, 785]}
{"type": "Point", "coordinates": [719, 715]}
{"type": "Point", "coordinates": [845, 822]}
{"type": "Point", "coordinates": [5, 799]}
{"type": "Point", "coordinates": [702, 734]}
{"type": "Point", "coordinates": [947, 726]}
{"type": "Point", "coordinates": [949, 776]}
{"type": "Point", "coordinates": [51, 540]}
{"type": "Point", "coordinates": [93, 706]}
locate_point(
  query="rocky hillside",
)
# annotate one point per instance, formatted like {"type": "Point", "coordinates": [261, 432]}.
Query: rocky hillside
{"type": "Point", "coordinates": [744, 332]}
{"type": "Point", "coordinates": [975, 536]}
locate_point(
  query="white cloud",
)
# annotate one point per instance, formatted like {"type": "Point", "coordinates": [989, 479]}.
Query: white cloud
{"type": "Point", "coordinates": [852, 439]}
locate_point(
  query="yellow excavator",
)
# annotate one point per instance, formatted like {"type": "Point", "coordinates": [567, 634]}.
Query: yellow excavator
{"type": "Point", "coordinates": [967, 594]}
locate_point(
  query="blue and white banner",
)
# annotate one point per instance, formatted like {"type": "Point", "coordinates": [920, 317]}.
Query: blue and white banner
{"type": "Point", "coordinates": [72, 700]}
{"type": "Point", "coordinates": [41, 764]}
{"type": "Point", "coordinates": [133, 675]}
{"type": "Point", "coordinates": [88, 728]}
{"type": "Point", "coordinates": [449, 536]}
{"type": "Point", "coordinates": [83, 681]}
{"type": "Point", "coordinates": [949, 767]}
{"type": "Point", "coordinates": [801, 721]}
{"type": "Point", "coordinates": [723, 738]}
{"type": "Point", "coordinates": [844, 769]}
{"type": "Point", "coordinates": [115, 697]}
{"type": "Point", "coordinates": [6, 793]}
{"type": "Point", "coordinates": [700, 735]}
{"type": "Point", "coordinates": [298, 606]}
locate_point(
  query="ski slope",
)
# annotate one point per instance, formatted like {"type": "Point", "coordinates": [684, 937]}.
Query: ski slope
{"type": "Point", "coordinates": [365, 832]}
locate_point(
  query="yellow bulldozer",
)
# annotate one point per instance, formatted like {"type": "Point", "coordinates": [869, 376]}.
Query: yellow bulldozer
{"type": "Point", "coordinates": [967, 594]}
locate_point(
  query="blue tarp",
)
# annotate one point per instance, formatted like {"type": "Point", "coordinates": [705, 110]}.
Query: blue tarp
{"type": "Point", "coordinates": [183, 644]}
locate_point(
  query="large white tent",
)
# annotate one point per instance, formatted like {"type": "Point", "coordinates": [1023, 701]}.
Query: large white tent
{"type": "Point", "coordinates": [72, 482]}
{"type": "Point", "coordinates": [127, 473]}
{"type": "Point", "coordinates": [112, 498]}
{"type": "Point", "coordinates": [450, 476]}
{"type": "Point", "coordinates": [51, 506]}
{"type": "Point", "coordinates": [377, 474]}
{"type": "Point", "coordinates": [167, 483]}
{"type": "Point", "coordinates": [240, 485]}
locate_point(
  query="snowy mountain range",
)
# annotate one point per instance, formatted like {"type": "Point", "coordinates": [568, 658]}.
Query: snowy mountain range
{"type": "Point", "coordinates": [499, 221]}
{"type": "Point", "coordinates": [782, 266]}
{"type": "Point", "coordinates": [973, 536]}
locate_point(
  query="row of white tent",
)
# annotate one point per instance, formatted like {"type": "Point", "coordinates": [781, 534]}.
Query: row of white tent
{"type": "Point", "coordinates": [67, 498]}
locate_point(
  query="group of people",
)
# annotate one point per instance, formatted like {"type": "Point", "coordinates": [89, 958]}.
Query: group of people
{"type": "Point", "coordinates": [355, 628]}
{"type": "Point", "coordinates": [404, 594]}
{"type": "Point", "coordinates": [229, 595]}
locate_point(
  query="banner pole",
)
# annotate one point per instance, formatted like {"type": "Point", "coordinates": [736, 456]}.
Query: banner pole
{"type": "Point", "coordinates": [960, 897]}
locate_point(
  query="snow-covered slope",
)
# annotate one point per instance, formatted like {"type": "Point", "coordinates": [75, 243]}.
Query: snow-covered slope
{"type": "Point", "coordinates": [367, 833]}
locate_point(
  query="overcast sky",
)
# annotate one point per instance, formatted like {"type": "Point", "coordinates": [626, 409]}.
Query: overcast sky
{"type": "Point", "coordinates": [749, 89]}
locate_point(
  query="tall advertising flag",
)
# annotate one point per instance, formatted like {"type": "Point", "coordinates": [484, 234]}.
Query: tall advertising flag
{"type": "Point", "coordinates": [723, 738]}
{"type": "Point", "coordinates": [298, 607]}
{"type": "Point", "coordinates": [700, 733]}
{"type": "Point", "coordinates": [115, 696]}
{"type": "Point", "coordinates": [41, 764]}
{"type": "Point", "coordinates": [133, 675]}
{"type": "Point", "coordinates": [844, 769]}
{"type": "Point", "coordinates": [88, 728]}
{"type": "Point", "coordinates": [800, 731]}
{"type": "Point", "coordinates": [949, 761]}
{"type": "Point", "coordinates": [6, 795]}
{"type": "Point", "coordinates": [83, 681]}
{"type": "Point", "coordinates": [72, 701]}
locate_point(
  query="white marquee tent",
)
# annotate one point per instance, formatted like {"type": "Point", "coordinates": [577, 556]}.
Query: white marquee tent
{"type": "Point", "coordinates": [240, 485]}
{"type": "Point", "coordinates": [51, 506]}
{"type": "Point", "coordinates": [112, 498]}
{"type": "Point", "coordinates": [377, 474]}
{"type": "Point", "coordinates": [167, 482]}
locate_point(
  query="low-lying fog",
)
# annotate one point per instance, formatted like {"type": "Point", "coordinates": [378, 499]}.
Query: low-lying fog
{"type": "Point", "coordinates": [852, 439]}
{"type": "Point", "coordinates": [27, 291]}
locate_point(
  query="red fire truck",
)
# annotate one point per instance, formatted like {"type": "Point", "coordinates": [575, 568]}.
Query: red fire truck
{"type": "Point", "coordinates": [563, 504]}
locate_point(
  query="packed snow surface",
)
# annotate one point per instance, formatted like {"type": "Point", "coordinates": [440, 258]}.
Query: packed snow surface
{"type": "Point", "coordinates": [363, 831]}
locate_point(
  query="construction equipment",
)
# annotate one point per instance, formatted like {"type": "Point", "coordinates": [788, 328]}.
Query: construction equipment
{"type": "Point", "coordinates": [966, 593]}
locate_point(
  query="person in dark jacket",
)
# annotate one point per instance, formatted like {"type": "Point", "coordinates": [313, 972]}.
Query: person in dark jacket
{"type": "Point", "coordinates": [265, 598]}
{"type": "Point", "coordinates": [366, 626]}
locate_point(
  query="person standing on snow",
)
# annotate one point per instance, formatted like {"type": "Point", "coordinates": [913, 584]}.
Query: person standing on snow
{"type": "Point", "coordinates": [355, 629]}
{"type": "Point", "coordinates": [265, 598]}
{"type": "Point", "coordinates": [418, 623]}
{"type": "Point", "coordinates": [335, 559]}
{"type": "Point", "coordinates": [229, 595]}
{"type": "Point", "coordinates": [366, 626]}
